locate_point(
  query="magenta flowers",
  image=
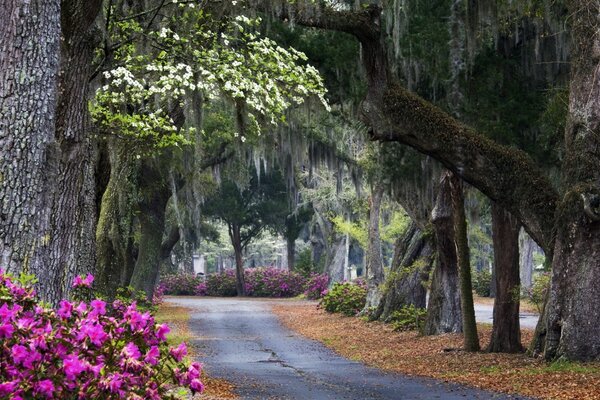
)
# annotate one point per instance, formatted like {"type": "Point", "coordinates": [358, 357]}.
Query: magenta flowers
{"type": "Point", "coordinates": [85, 350]}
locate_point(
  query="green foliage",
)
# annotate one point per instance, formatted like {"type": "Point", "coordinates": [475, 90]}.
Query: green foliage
{"type": "Point", "coordinates": [358, 231]}
{"type": "Point", "coordinates": [539, 290]}
{"type": "Point", "coordinates": [482, 281]}
{"type": "Point", "coordinates": [129, 294]}
{"type": "Point", "coordinates": [396, 227]}
{"type": "Point", "coordinates": [408, 318]}
{"type": "Point", "coordinates": [346, 298]}
{"type": "Point", "coordinates": [304, 264]}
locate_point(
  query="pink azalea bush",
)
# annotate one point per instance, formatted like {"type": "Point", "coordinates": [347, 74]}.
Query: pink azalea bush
{"type": "Point", "coordinates": [265, 282]}
{"type": "Point", "coordinates": [179, 284]}
{"type": "Point", "coordinates": [316, 286]}
{"type": "Point", "coordinates": [85, 350]}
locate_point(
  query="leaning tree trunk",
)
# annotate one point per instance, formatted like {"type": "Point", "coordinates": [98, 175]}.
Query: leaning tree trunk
{"type": "Point", "coordinates": [410, 268]}
{"type": "Point", "coordinates": [573, 313]}
{"type": "Point", "coordinates": [464, 265]}
{"type": "Point", "coordinates": [444, 309]}
{"type": "Point", "coordinates": [29, 66]}
{"type": "Point", "coordinates": [506, 332]}
{"type": "Point", "coordinates": [374, 267]}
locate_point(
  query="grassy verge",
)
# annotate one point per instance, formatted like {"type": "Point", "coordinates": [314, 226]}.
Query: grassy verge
{"type": "Point", "coordinates": [178, 320]}
{"type": "Point", "coordinates": [440, 357]}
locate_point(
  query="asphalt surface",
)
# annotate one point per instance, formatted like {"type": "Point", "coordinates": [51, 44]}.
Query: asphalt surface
{"type": "Point", "coordinates": [485, 313]}
{"type": "Point", "coordinates": [244, 343]}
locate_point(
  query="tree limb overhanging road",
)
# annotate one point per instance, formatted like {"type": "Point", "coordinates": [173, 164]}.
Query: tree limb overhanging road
{"type": "Point", "coordinates": [242, 341]}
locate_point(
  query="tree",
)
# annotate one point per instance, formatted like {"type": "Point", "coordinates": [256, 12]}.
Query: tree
{"type": "Point", "coordinates": [249, 210]}
{"type": "Point", "coordinates": [507, 176]}
{"type": "Point", "coordinates": [47, 184]}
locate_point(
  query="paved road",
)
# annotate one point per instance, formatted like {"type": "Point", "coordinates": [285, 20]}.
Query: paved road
{"type": "Point", "coordinates": [485, 313]}
{"type": "Point", "coordinates": [245, 344]}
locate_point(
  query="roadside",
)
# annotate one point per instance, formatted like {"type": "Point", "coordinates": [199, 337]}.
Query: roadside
{"type": "Point", "coordinates": [178, 319]}
{"type": "Point", "coordinates": [376, 345]}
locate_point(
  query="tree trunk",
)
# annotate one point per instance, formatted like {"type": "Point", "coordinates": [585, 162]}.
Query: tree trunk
{"type": "Point", "coordinates": [374, 266]}
{"type": "Point", "coordinates": [154, 195]}
{"type": "Point", "coordinates": [573, 313]}
{"type": "Point", "coordinates": [114, 234]}
{"type": "Point", "coordinates": [506, 332]}
{"type": "Point", "coordinates": [464, 265]}
{"type": "Point", "coordinates": [236, 241]}
{"type": "Point", "coordinates": [526, 250]}
{"type": "Point", "coordinates": [29, 66]}
{"type": "Point", "coordinates": [410, 268]}
{"type": "Point", "coordinates": [444, 309]}
{"type": "Point", "coordinates": [291, 253]}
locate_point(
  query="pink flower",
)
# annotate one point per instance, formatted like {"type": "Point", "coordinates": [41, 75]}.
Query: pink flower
{"type": "Point", "coordinates": [162, 331]}
{"type": "Point", "coordinates": [131, 351]}
{"type": "Point", "coordinates": [98, 307]}
{"type": "Point", "coordinates": [6, 388]}
{"type": "Point", "coordinates": [179, 352]}
{"type": "Point", "coordinates": [6, 330]}
{"type": "Point", "coordinates": [196, 386]}
{"type": "Point", "coordinates": [44, 387]}
{"type": "Point", "coordinates": [65, 309]}
{"type": "Point", "coordinates": [73, 366]}
{"type": "Point", "coordinates": [19, 353]}
{"type": "Point", "coordinates": [84, 282]}
{"type": "Point", "coordinates": [152, 355]}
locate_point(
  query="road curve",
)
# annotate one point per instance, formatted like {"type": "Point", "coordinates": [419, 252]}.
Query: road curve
{"type": "Point", "coordinates": [242, 341]}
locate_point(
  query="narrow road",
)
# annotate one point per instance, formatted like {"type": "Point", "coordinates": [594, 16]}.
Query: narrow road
{"type": "Point", "coordinates": [485, 313]}
{"type": "Point", "coordinates": [244, 343]}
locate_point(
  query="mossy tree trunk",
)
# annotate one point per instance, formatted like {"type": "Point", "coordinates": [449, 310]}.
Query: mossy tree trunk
{"type": "Point", "coordinates": [154, 193]}
{"type": "Point", "coordinates": [405, 285]}
{"type": "Point", "coordinates": [444, 313]}
{"type": "Point", "coordinates": [471, 339]}
{"type": "Point", "coordinates": [374, 265]}
{"type": "Point", "coordinates": [573, 312]}
{"type": "Point", "coordinates": [506, 332]}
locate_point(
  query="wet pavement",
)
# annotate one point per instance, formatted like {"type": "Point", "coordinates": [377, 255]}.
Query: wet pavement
{"type": "Point", "coordinates": [243, 342]}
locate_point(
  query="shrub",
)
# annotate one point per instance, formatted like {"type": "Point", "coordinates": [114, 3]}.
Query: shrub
{"type": "Point", "coordinates": [179, 284]}
{"type": "Point", "coordinates": [316, 286]}
{"type": "Point", "coordinates": [408, 318]}
{"type": "Point", "coordinates": [347, 298]}
{"type": "Point", "coordinates": [273, 282]}
{"type": "Point", "coordinates": [85, 350]}
{"type": "Point", "coordinates": [539, 289]}
{"type": "Point", "coordinates": [223, 284]}
{"type": "Point", "coordinates": [482, 283]}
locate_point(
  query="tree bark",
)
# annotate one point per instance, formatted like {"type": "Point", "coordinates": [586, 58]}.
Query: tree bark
{"type": "Point", "coordinates": [526, 250]}
{"type": "Point", "coordinates": [464, 265]}
{"type": "Point", "coordinates": [573, 313]}
{"type": "Point", "coordinates": [236, 241]}
{"type": "Point", "coordinates": [506, 332]}
{"type": "Point", "coordinates": [374, 266]}
{"type": "Point", "coordinates": [154, 195]}
{"type": "Point", "coordinates": [444, 313]}
{"type": "Point", "coordinates": [29, 66]}
{"type": "Point", "coordinates": [411, 264]}
{"type": "Point", "coordinates": [291, 253]}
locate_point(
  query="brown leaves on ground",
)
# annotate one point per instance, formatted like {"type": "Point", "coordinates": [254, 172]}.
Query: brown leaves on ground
{"type": "Point", "coordinates": [440, 357]}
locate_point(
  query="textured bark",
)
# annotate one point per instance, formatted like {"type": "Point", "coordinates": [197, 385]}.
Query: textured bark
{"type": "Point", "coordinates": [71, 249]}
{"type": "Point", "coordinates": [444, 313]}
{"type": "Point", "coordinates": [471, 339]}
{"type": "Point", "coordinates": [154, 195]}
{"type": "Point", "coordinates": [526, 250]}
{"type": "Point", "coordinates": [374, 266]}
{"type": "Point", "coordinates": [29, 65]}
{"type": "Point", "coordinates": [114, 234]}
{"type": "Point", "coordinates": [411, 264]}
{"type": "Point", "coordinates": [506, 332]}
{"type": "Point", "coordinates": [573, 313]}
{"type": "Point", "coordinates": [48, 219]}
